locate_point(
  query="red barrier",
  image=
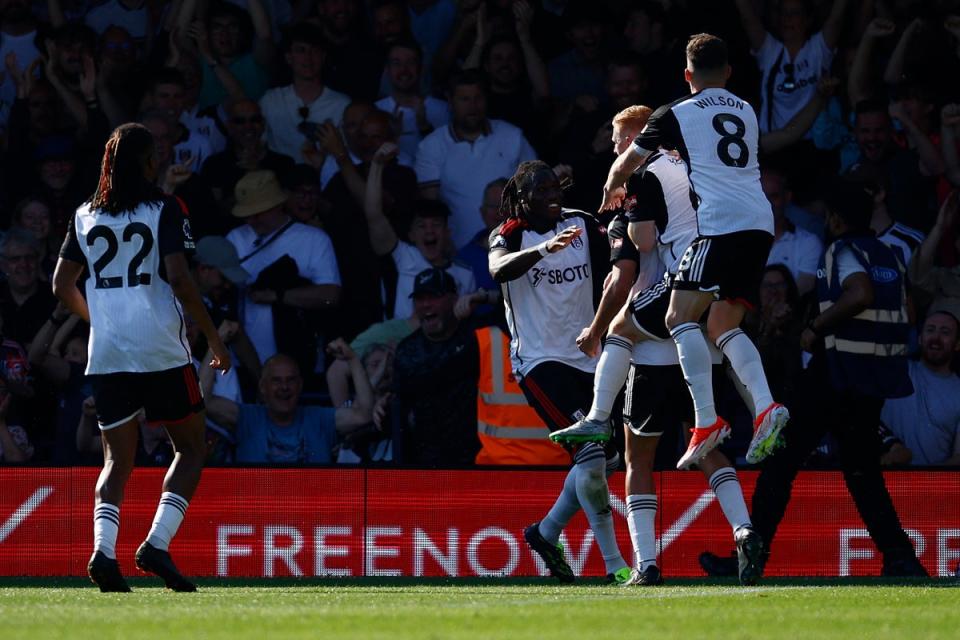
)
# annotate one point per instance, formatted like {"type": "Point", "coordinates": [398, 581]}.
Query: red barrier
{"type": "Point", "coordinates": [353, 522]}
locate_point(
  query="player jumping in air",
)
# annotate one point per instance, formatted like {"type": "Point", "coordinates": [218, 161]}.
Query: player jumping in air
{"type": "Point", "coordinates": [132, 238]}
{"type": "Point", "coordinates": [716, 134]}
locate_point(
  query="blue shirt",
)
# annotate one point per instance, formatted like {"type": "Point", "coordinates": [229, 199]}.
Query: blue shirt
{"type": "Point", "coordinates": [310, 438]}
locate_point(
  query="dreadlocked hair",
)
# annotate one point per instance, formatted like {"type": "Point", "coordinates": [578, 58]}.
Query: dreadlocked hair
{"type": "Point", "coordinates": [510, 201]}
{"type": "Point", "coordinates": [123, 185]}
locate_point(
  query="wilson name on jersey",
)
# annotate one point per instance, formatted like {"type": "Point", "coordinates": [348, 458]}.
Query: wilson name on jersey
{"type": "Point", "coordinates": [717, 135]}
{"type": "Point", "coordinates": [136, 322]}
{"type": "Point", "coordinates": [549, 304]}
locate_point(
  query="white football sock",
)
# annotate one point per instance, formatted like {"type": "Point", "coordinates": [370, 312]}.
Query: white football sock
{"type": "Point", "coordinates": [562, 510]}
{"type": "Point", "coordinates": [611, 374]}
{"type": "Point", "coordinates": [726, 486]}
{"type": "Point", "coordinates": [594, 497]}
{"type": "Point", "coordinates": [697, 370]}
{"type": "Point", "coordinates": [167, 520]}
{"type": "Point", "coordinates": [641, 519]}
{"type": "Point", "coordinates": [745, 361]}
{"type": "Point", "coordinates": [106, 525]}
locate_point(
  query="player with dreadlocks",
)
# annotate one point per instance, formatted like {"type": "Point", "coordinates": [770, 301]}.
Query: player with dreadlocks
{"type": "Point", "coordinates": [551, 263]}
{"type": "Point", "coordinates": [132, 240]}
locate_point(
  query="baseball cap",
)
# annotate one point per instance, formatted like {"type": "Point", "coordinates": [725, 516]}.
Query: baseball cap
{"type": "Point", "coordinates": [433, 281]}
{"type": "Point", "coordinates": [256, 192]}
{"type": "Point", "coordinates": [217, 251]}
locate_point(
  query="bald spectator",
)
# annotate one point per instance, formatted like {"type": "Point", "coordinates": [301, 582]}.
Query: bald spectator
{"type": "Point", "coordinates": [282, 430]}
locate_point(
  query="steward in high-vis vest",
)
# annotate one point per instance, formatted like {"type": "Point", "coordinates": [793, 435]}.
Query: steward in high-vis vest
{"type": "Point", "coordinates": [859, 341]}
{"type": "Point", "coordinates": [510, 430]}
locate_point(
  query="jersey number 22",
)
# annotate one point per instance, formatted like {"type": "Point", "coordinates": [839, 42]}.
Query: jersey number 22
{"type": "Point", "coordinates": [134, 279]}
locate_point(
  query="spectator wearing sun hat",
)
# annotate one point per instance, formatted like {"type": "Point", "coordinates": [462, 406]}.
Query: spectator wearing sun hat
{"type": "Point", "coordinates": [269, 245]}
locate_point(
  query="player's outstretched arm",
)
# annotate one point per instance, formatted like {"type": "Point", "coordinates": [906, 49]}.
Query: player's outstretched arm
{"type": "Point", "coordinates": [506, 265]}
{"type": "Point", "coordinates": [621, 169]}
{"type": "Point", "coordinates": [65, 287]}
{"type": "Point", "coordinates": [178, 275]}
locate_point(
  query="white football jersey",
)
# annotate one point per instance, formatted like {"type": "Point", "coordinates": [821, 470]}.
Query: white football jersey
{"type": "Point", "coordinates": [660, 192]}
{"type": "Point", "coordinates": [549, 304]}
{"type": "Point", "coordinates": [136, 322]}
{"type": "Point", "coordinates": [717, 135]}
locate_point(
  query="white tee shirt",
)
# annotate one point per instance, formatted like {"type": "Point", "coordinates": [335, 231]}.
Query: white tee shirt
{"type": "Point", "coordinates": [310, 248]}
{"type": "Point", "coordinates": [438, 115]}
{"type": "Point", "coordinates": [136, 322]}
{"type": "Point", "coordinates": [463, 169]}
{"type": "Point", "coordinates": [410, 262]}
{"type": "Point", "coordinates": [812, 61]}
{"type": "Point", "coordinates": [798, 250]}
{"type": "Point", "coordinates": [281, 110]}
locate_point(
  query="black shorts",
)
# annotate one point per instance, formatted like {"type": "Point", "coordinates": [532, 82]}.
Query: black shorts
{"type": "Point", "coordinates": [657, 399]}
{"type": "Point", "coordinates": [650, 310]}
{"type": "Point", "coordinates": [168, 396]}
{"type": "Point", "coordinates": [729, 266]}
{"type": "Point", "coordinates": [559, 393]}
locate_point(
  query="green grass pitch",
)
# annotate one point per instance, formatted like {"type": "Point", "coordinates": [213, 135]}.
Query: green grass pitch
{"type": "Point", "coordinates": [455, 609]}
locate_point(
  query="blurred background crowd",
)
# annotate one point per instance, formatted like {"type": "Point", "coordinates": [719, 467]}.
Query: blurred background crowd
{"type": "Point", "coordinates": [341, 164]}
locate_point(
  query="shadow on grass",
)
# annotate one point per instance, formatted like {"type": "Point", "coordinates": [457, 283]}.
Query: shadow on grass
{"type": "Point", "coordinates": [405, 582]}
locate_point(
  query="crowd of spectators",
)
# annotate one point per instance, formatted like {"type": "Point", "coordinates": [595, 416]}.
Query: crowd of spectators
{"type": "Point", "coordinates": [341, 163]}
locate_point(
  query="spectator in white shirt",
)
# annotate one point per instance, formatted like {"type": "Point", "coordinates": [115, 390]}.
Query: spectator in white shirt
{"type": "Point", "coordinates": [792, 66]}
{"type": "Point", "coordinates": [295, 112]}
{"type": "Point", "coordinates": [793, 247]}
{"type": "Point", "coordinates": [415, 114]}
{"type": "Point", "coordinates": [268, 236]}
{"type": "Point", "coordinates": [455, 163]}
{"type": "Point", "coordinates": [429, 239]}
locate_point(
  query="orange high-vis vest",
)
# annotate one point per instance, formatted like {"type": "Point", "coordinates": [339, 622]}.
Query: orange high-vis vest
{"type": "Point", "coordinates": [510, 430]}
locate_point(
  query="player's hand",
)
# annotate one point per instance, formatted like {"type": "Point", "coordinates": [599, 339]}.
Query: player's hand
{"type": "Point", "coordinates": [588, 344]}
{"type": "Point", "coordinates": [340, 350]}
{"type": "Point", "coordinates": [90, 407]}
{"type": "Point", "coordinates": [612, 198]}
{"type": "Point", "coordinates": [221, 356]}
{"type": "Point", "coordinates": [563, 239]}
{"type": "Point", "coordinates": [808, 339]}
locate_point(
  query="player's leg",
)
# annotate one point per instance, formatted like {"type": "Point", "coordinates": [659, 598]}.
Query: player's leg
{"type": "Point", "coordinates": [119, 452]}
{"type": "Point", "coordinates": [640, 319]}
{"type": "Point", "coordinates": [118, 410]}
{"type": "Point", "coordinates": [723, 327]}
{"type": "Point", "coordinates": [726, 486]}
{"type": "Point", "coordinates": [539, 386]}
{"type": "Point", "coordinates": [181, 412]}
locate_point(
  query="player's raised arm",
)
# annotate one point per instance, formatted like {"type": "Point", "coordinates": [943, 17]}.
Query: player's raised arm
{"type": "Point", "coordinates": [621, 169]}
